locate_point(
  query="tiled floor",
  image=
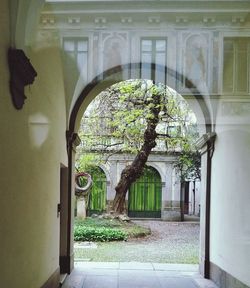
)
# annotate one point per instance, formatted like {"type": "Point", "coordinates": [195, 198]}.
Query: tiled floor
{"type": "Point", "coordinates": [135, 275]}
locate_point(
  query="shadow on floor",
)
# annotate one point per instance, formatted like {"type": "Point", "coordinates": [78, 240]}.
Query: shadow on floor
{"type": "Point", "coordinates": [135, 275]}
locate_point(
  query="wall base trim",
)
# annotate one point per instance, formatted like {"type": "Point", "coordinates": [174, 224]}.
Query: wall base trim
{"type": "Point", "coordinates": [53, 281]}
{"type": "Point", "coordinates": [223, 279]}
{"type": "Point", "coordinates": [171, 214]}
{"type": "Point", "coordinates": [66, 264]}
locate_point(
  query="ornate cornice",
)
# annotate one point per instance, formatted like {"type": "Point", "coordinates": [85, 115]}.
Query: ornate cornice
{"type": "Point", "coordinates": [207, 13]}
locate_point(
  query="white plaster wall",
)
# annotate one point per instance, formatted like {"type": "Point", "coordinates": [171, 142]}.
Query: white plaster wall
{"type": "Point", "coordinates": [230, 201]}
{"type": "Point", "coordinates": [176, 186]}
{"type": "Point", "coordinates": [110, 171]}
{"type": "Point", "coordinates": [168, 183]}
{"type": "Point", "coordinates": [32, 146]}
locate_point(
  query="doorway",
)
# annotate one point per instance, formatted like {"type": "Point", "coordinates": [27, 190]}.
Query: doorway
{"type": "Point", "coordinates": [62, 211]}
{"type": "Point", "coordinates": [144, 197]}
{"type": "Point", "coordinates": [97, 199]}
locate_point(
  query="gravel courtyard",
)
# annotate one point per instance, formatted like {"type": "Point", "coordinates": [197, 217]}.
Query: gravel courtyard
{"type": "Point", "coordinates": [168, 243]}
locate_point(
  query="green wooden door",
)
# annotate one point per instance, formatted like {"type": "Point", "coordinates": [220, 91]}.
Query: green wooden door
{"type": "Point", "coordinates": [145, 195]}
{"type": "Point", "coordinates": [97, 199]}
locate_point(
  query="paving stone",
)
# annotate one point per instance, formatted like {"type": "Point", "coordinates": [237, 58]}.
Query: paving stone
{"type": "Point", "coordinates": [176, 267]}
{"type": "Point", "coordinates": [204, 283]}
{"type": "Point", "coordinates": [98, 265]}
{"type": "Point", "coordinates": [136, 266]}
{"type": "Point", "coordinates": [100, 282]}
{"type": "Point", "coordinates": [189, 273]}
{"type": "Point", "coordinates": [177, 282]}
{"type": "Point", "coordinates": [101, 272]}
{"type": "Point", "coordinates": [139, 281]}
{"type": "Point", "coordinates": [135, 275]}
{"type": "Point", "coordinates": [169, 274]}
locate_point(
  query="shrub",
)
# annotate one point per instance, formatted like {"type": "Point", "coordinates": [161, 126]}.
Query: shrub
{"type": "Point", "coordinates": [99, 222]}
{"type": "Point", "coordinates": [98, 234]}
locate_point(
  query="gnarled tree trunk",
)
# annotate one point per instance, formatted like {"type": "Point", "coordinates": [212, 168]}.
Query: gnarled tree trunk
{"type": "Point", "coordinates": [132, 172]}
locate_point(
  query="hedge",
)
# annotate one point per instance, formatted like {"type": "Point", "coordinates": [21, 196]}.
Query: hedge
{"type": "Point", "coordinates": [99, 234]}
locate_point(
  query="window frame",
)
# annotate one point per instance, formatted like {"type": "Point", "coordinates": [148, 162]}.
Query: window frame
{"type": "Point", "coordinates": [235, 90]}
{"type": "Point", "coordinates": [76, 40]}
{"type": "Point", "coordinates": [153, 63]}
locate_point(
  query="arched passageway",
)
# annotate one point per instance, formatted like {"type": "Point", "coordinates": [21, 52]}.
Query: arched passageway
{"type": "Point", "coordinates": [197, 102]}
{"type": "Point", "coordinates": [220, 54]}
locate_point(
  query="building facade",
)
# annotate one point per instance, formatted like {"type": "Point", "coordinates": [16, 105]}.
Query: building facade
{"type": "Point", "coordinates": [159, 184]}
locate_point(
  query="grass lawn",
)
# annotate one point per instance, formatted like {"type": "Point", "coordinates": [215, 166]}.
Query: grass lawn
{"type": "Point", "coordinates": [126, 252]}
{"type": "Point", "coordinates": [175, 248]}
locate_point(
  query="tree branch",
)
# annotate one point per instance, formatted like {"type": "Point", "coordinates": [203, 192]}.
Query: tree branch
{"type": "Point", "coordinates": [164, 135]}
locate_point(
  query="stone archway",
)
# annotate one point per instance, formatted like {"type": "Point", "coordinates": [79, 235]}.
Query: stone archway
{"type": "Point", "coordinates": [199, 105]}
{"type": "Point", "coordinates": [197, 102]}
{"type": "Point", "coordinates": [206, 145]}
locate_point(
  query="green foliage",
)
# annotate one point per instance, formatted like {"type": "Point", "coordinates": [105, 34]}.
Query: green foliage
{"type": "Point", "coordinates": [98, 234]}
{"type": "Point", "coordinates": [87, 161]}
{"type": "Point", "coordinates": [189, 163]}
{"type": "Point", "coordinates": [99, 222]}
{"type": "Point", "coordinates": [116, 121]}
{"type": "Point", "coordinates": [103, 230]}
{"type": "Point", "coordinates": [118, 117]}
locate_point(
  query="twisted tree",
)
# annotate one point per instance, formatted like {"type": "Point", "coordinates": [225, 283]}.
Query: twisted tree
{"type": "Point", "coordinates": [135, 117]}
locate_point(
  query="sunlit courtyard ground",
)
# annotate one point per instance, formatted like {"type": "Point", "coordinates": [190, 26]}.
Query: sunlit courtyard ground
{"type": "Point", "coordinates": [168, 243]}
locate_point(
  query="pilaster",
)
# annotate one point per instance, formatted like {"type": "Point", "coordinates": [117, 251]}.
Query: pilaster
{"type": "Point", "coordinates": [206, 147]}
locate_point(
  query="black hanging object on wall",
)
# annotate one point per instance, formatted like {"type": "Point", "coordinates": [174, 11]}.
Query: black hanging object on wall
{"type": "Point", "coordinates": [22, 73]}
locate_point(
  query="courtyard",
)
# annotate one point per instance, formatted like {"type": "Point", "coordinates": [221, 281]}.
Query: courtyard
{"type": "Point", "coordinates": [168, 257]}
{"type": "Point", "coordinates": [169, 242]}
